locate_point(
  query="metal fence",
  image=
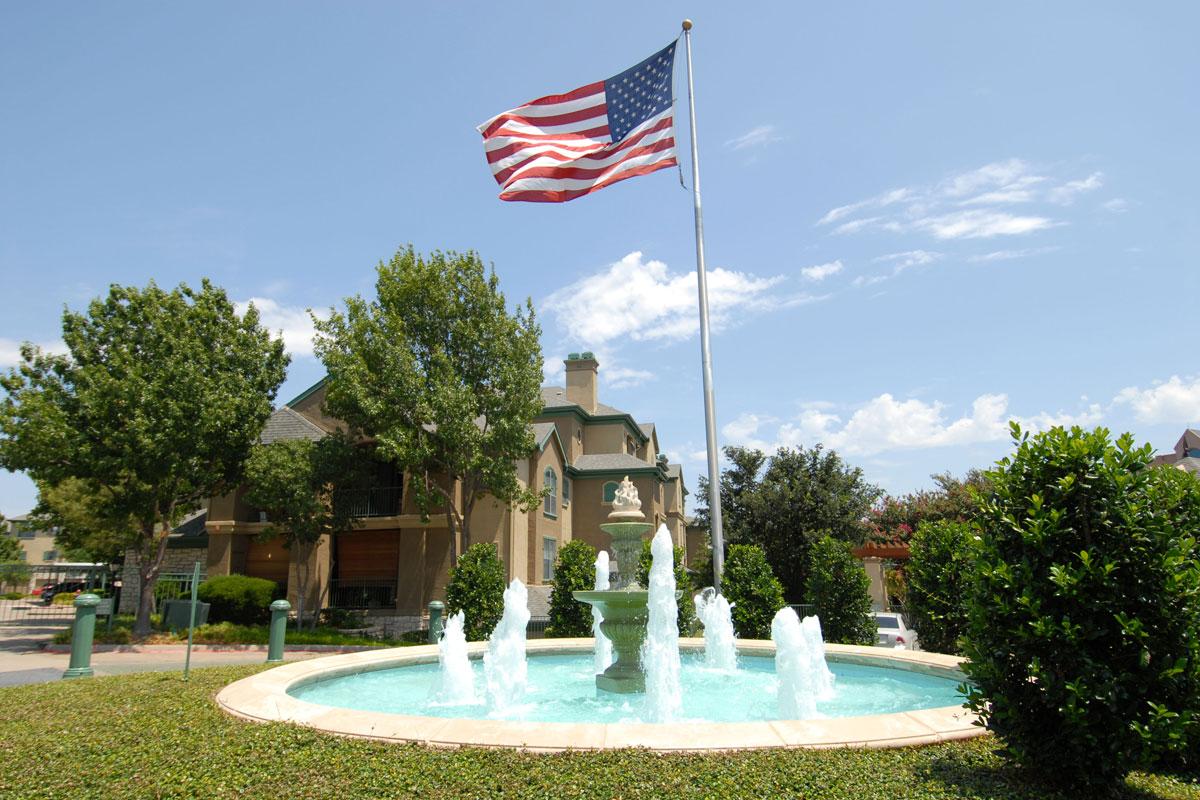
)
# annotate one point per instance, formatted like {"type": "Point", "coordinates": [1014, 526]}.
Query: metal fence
{"type": "Point", "coordinates": [44, 595]}
{"type": "Point", "coordinates": [380, 501]}
{"type": "Point", "coordinates": [362, 594]}
{"type": "Point", "coordinates": [173, 586]}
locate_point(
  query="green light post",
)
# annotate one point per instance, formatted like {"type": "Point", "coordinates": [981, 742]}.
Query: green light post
{"type": "Point", "coordinates": [436, 607]}
{"type": "Point", "coordinates": [279, 615]}
{"type": "Point", "coordinates": [81, 637]}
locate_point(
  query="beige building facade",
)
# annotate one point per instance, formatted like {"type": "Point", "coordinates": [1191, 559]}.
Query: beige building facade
{"type": "Point", "coordinates": [395, 563]}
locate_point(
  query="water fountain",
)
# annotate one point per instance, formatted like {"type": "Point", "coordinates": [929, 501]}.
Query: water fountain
{"type": "Point", "coordinates": [660, 651]}
{"type": "Point", "coordinates": [623, 607]}
{"type": "Point", "coordinates": [603, 652]}
{"type": "Point", "coordinates": [804, 678]}
{"type": "Point", "coordinates": [715, 613]}
{"type": "Point", "coordinates": [504, 664]}
{"type": "Point", "coordinates": [456, 684]}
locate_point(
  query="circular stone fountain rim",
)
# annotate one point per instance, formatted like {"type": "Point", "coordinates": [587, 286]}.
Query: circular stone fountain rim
{"type": "Point", "coordinates": [264, 698]}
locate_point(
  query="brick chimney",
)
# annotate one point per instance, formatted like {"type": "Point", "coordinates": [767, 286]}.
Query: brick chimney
{"type": "Point", "coordinates": [581, 380]}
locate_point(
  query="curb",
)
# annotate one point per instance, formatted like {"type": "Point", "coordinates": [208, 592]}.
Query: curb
{"type": "Point", "coordinates": [215, 648]}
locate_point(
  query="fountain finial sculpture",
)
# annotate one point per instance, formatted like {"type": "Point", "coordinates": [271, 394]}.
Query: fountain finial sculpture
{"type": "Point", "coordinates": [623, 607]}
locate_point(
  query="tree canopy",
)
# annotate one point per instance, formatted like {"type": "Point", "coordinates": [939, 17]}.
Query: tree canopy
{"type": "Point", "coordinates": [154, 405]}
{"type": "Point", "coordinates": [85, 530]}
{"type": "Point", "coordinates": [443, 378]}
{"type": "Point", "coordinates": [801, 496]}
{"type": "Point", "coordinates": [307, 489]}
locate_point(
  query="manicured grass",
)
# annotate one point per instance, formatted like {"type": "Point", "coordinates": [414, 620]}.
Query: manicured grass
{"type": "Point", "coordinates": [152, 735]}
{"type": "Point", "coordinates": [229, 633]}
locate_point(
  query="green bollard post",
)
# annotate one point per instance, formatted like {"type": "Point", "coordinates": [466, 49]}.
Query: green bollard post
{"type": "Point", "coordinates": [81, 637]}
{"type": "Point", "coordinates": [436, 607]}
{"type": "Point", "coordinates": [279, 615]}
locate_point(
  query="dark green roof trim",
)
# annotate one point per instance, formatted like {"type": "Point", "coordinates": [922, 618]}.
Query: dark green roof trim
{"type": "Point", "coordinates": [307, 393]}
{"type": "Point", "coordinates": [575, 472]}
{"type": "Point", "coordinates": [553, 434]}
{"type": "Point", "coordinates": [586, 418]}
{"type": "Point", "coordinates": [180, 542]}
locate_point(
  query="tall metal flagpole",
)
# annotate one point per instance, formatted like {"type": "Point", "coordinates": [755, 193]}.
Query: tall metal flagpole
{"type": "Point", "coordinates": [710, 414]}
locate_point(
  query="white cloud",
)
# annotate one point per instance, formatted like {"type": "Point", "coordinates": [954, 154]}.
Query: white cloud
{"type": "Point", "coordinates": [974, 204]}
{"type": "Point", "coordinates": [1118, 205]}
{"type": "Point", "coordinates": [980, 224]}
{"type": "Point", "coordinates": [10, 350]}
{"type": "Point", "coordinates": [900, 262]}
{"type": "Point", "coordinates": [1066, 193]}
{"type": "Point", "coordinates": [820, 272]}
{"type": "Point", "coordinates": [292, 322]}
{"type": "Point", "coordinates": [642, 300]}
{"type": "Point", "coordinates": [1176, 400]}
{"type": "Point", "coordinates": [1005, 255]}
{"type": "Point", "coordinates": [625, 377]}
{"type": "Point", "coordinates": [760, 136]}
{"type": "Point", "coordinates": [887, 423]}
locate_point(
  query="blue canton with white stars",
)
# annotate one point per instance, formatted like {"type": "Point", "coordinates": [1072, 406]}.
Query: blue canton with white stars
{"type": "Point", "coordinates": [639, 92]}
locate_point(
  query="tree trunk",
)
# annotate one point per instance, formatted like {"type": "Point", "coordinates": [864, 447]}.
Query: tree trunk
{"type": "Point", "coordinates": [302, 580]}
{"type": "Point", "coordinates": [148, 571]}
{"type": "Point", "coordinates": [452, 524]}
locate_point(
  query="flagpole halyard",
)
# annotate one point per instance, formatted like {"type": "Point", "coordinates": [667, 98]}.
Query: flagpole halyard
{"type": "Point", "coordinates": [710, 416]}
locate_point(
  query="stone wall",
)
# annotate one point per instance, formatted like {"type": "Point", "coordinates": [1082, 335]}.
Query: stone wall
{"type": "Point", "coordinates": [178, 560]}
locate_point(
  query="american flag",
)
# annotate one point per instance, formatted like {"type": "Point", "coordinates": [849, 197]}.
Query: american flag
{"type": "Point", "coordinates": [563, 146]}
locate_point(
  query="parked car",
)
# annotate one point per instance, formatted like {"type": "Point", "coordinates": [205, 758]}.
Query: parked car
{"type": "Point", "coordinates": [51, 589]}
{"type": "Point", "coordinates": [890, 631]}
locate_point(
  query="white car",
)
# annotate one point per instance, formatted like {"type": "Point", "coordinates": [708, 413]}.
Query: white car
{"type": "Point", "coordinates": [890, 631]}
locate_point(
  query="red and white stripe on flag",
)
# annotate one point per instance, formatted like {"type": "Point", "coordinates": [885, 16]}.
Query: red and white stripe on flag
{"type": "Point", "coordinates": [561, 146]}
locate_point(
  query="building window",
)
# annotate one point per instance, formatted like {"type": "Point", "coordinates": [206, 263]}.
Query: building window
{"type": "Point", "coordinates": [566, 491]}
{"type": "Point", "coordinates": [22, 555]}
{"type": "Point", "coordinates": [549, 555]}
{"type": "Point", "coordinates": [610, 491]}
{"type": "Point", "coordinates": [26, 533]}
{"type": "Point", "coordinates": [550, 481]}
{"type": "Point", "coordinates": [49, 555]}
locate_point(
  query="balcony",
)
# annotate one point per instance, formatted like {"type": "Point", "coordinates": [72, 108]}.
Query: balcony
{"type": "Point", "coordinates": [380, 501]}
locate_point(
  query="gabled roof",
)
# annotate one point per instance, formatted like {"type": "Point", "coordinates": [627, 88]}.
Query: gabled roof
{"type": "Point", "coordinates": [1189, 441]}
{"type": "Point", "coordinates": [285, 424]}
{"type": "Point", "coordinates": [611, 462]}
{"type": "Point", "coordinates": [555, 397]}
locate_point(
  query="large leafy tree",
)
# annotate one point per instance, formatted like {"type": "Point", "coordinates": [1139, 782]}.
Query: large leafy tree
{"type": "Point", "coordinates": [77, 510]}
{"type": "Point", "coordinates": [443, 378]}
{"type": "Point", "coordinates": [10, 548]}
{"type": "Point", "coordinates": [307, 489]}
{"type": "Point", "coordinates": [895, 519]}
{"type": "Point", "coordinates": [154, 406]}
{"type": "Point", "coordinates": [801, 496]}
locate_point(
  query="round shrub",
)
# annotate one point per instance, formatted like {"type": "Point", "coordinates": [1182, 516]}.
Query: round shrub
{"type": "Point", "coordinates": [840, 590]}
{"type": "Point", "coordinates": [238, 598]}
{"type": "Point", "coordinates": [1083, 622]}
{"type": "Point", "coordinates": [574, 571]}
{"type": "Point", "coordinates": [939, 582]}
{"type": "Point", "coordinates": [477, 589]}
{"type": "Point", "coordinates": [750, 586]}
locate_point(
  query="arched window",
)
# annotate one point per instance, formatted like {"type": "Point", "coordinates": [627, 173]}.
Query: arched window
{"type": "Point", "coordinates": [610, 491]}
{"type": "Point", "coordinates": [550, 481]}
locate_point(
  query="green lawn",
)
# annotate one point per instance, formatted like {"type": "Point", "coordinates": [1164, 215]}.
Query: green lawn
{"type": "Point", "coordinates": [152, 735]}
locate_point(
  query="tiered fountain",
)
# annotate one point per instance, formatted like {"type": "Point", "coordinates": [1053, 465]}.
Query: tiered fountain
{"type": "Point", "coordinates": [623, 607]}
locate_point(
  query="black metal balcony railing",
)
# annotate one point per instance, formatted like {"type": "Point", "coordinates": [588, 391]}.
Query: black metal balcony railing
{"type": "Point", "coordinates": [379, 501]}
{"type": "Point", "coordinates": [361, 593]}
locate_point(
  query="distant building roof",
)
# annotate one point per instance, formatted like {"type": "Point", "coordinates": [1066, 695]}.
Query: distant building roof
{"type": "Point", "coordinates": [609, 462]}
{"type": "Point", "coordinates": [542, 432]}
{"type": "Point", "coordinates": [556, 397]}
{"type": "Point", "coordinates": [285, 424]}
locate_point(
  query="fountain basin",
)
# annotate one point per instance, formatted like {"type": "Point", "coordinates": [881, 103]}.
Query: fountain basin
{"type": "Point", "coordinates": [265, 697]}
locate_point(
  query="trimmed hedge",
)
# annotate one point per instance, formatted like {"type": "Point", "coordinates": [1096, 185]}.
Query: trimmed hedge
{"type": "Point", "coordinates": [940, 571]}
{"type": "Point", "coordinates": [841, 591]}
{"type": "Point", "coordinates": [752, 590]}
{"type": "Point", "coordinates": [574, 571]}
{"type": "Point", "coordinates": [239, 599]}
{"type": "Point", "coordinates": [477, 589]}
{"type": "Point", "coordinates": [1084, 634]}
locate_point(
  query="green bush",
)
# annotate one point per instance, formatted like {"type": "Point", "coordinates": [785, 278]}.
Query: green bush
{"type": "Point", "coordinates": [840, 590]}
{"type": "Point", "coordinates": [683, 582]}
{"type": "Point", "coordinates": [574, 571]}
{"type": "Point", "coordinates": [939, 582]}
{"type": "Point", "coordinates": [239, 599]}
{"type": "Point", "coordinates": [477, 589]}
{"type": "Point", "coordinates": [12, 595]}
{"type": "Point", "coordinates": [1084, 620]}
{"type": "Point", "coordinates": [346, 618]}
{"type": "Point", "coordinates": [63, 599]}
{"type": "Point", "coordinates": [752, 589]}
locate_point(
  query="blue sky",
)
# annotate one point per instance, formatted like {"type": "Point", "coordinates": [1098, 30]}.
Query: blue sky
{"type": "Point", "coordinates": [922, 219]}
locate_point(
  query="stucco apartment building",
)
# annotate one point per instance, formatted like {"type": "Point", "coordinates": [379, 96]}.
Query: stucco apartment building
{"type": "Point", "coordinates": [393, 562]}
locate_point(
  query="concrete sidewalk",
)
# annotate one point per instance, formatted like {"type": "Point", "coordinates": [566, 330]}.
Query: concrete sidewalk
{"type": "Point", "coordinates": [22, 660]}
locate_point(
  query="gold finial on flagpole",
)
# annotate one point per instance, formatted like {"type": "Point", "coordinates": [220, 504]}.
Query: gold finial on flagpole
{"type": "Point", "coordinates": [687, 24]}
